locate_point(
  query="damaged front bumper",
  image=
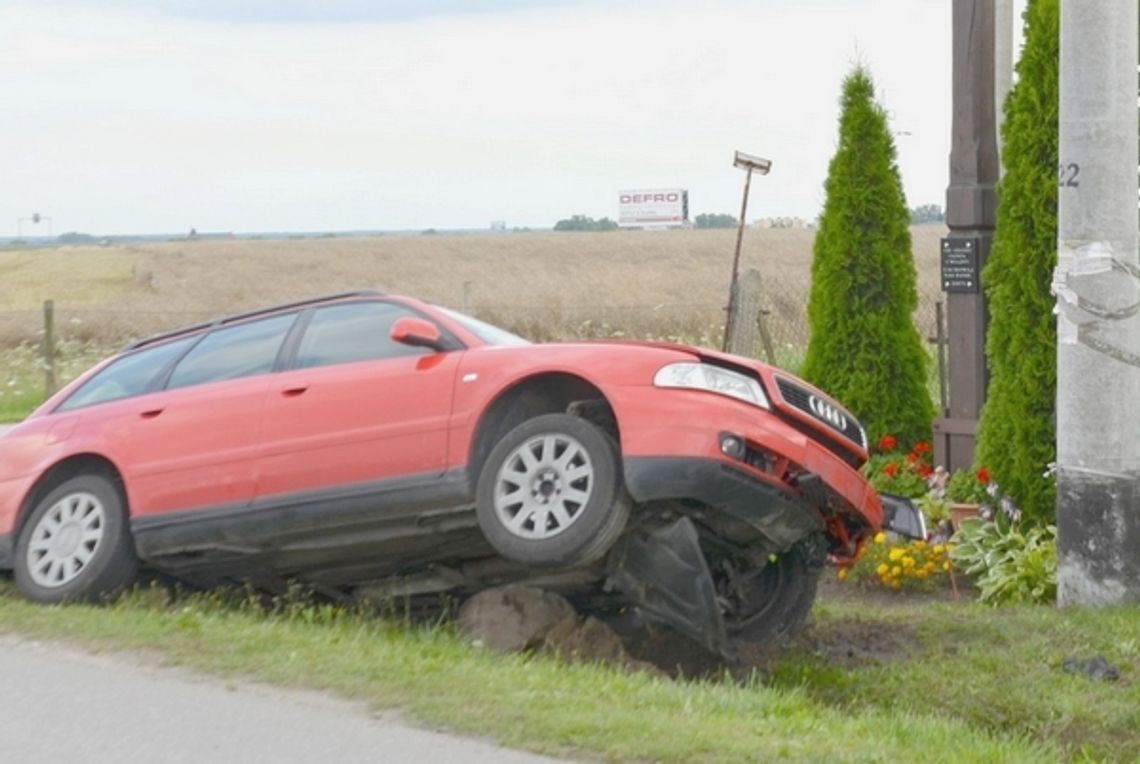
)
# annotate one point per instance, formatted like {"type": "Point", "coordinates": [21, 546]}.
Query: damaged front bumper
{"type": "Point", "coordinates": [663, 571]}
{"type": "Point", "coordinates": [901, 516]}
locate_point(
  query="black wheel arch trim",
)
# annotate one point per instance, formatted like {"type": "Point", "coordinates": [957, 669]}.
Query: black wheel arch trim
{"type": "Point", "coordinates": [7, 551]}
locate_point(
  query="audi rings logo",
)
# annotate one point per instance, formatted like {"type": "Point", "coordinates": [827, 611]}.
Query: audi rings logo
{"type": "Point", "coordinates": [828, 413]}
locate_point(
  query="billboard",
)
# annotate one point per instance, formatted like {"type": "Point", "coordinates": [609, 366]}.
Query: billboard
{"type": "Point", "coordinates": [653, 208]}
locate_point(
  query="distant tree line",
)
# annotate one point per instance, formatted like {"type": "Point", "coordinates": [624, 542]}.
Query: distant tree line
{"type": "Point", "coordinates": [584, 223]}
{"type": "Point", "coordinates": [926, 213]}
{"type": "Point", "coordinates": [714, 220]}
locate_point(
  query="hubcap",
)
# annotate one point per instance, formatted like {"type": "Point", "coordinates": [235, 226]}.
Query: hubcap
{"type": "Point", "coordinates": [65, 539]}
{"type": "Point", "coordinates": [543, 486]}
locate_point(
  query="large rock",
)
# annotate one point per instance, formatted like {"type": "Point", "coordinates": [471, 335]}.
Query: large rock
{"type": "Point", "coordinates": [513, 618]}
{"type": "Point", "coordinates": [589, 640]}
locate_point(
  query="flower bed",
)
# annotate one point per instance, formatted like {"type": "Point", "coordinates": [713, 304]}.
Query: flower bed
{"type": "Point", "coordinates": [1007, 563]}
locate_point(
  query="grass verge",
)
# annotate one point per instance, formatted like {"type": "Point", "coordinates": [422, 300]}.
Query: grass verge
{"type": "Point", "coordinates": [994, 669]}
{"type": "Point", "coordinates": [548, 705]}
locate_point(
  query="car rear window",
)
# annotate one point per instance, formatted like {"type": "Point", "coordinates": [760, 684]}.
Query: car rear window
{"type": "Point", "coordinates": [233, 352]}
{"type": "Point", "coordinates": [127, 376]}
{"type": "Point", "coordinates": [353, 332]}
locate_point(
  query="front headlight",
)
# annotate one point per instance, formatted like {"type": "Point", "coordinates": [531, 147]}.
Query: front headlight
{"type": "Point", "coordinates": [703, 376]}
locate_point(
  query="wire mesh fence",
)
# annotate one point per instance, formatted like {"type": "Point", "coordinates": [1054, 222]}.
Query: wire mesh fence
{"type": "Point", "coordinates": [83, 335]}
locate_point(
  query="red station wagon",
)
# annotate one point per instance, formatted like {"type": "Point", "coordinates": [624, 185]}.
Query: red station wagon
{"type": "Point", "coordinates": [363, 442]}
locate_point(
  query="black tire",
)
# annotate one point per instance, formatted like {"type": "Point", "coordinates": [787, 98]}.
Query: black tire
{"type": "Point", "coordinates": [592, 470]}
{"type": "Point", "coordinates": [80, 508]}
{"type": "Point", "coordinates": [772, 604]}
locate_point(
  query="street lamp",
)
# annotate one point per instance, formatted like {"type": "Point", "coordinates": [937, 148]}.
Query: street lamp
{"type": "Point", "coordinates": [748, 163]}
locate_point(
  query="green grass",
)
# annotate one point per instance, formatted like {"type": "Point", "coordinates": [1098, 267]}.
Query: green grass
{"type": "Point", "coordinates": [975, 684]}
{"type": "Point", "coordinates": [22, 382]}
{"type": "Point", "coordinates": [995, 669]}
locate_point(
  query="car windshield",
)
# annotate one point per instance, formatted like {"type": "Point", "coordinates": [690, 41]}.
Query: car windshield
{"type": "Point", "coordinates": [492, 335]}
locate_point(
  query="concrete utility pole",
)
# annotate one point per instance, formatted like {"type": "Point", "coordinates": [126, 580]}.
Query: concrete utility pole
{"type": "Point", "coordinates": [1097, 284]}
{"type": "Point", "coordinates": [971, 206]}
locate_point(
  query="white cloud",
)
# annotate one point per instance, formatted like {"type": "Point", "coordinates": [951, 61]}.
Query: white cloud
{"type": "Point", "coordinates": [118, 121]}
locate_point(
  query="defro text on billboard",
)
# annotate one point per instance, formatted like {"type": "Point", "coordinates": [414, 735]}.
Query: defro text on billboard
{"type": "Point", "coordinates": [653, 208]}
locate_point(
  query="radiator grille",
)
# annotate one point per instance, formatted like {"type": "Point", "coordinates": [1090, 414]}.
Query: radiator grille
{"type": "Point", "coordinates": [826, 413]}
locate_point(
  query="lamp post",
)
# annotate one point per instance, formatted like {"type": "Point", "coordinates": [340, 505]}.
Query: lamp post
{"type": "Point", "coordinates": [748, 163]}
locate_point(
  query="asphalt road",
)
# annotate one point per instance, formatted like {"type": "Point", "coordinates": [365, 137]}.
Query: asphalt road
{"type": "Point", "coordinates": [60, 704]}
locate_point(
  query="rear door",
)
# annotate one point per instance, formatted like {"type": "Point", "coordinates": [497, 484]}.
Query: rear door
{"type": "Point", "coordinates": [194, 444]}
{"type": "Point", "coordinates": [357, 410]}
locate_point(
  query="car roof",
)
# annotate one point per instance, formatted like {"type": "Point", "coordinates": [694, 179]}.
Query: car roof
{"type": "Point", "coordinates": [238, 317]}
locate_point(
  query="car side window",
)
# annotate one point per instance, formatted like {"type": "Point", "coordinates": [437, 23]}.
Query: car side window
{"type": "Point", "coordinates": [237, 351]}
{"type": "Point", "coordinates": [128, 376]}
{"type": "Point", "coordinates": [351, 332]}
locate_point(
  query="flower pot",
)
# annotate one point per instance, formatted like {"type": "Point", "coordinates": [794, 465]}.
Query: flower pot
{"type": "Point", "coordinates": [962, 511]}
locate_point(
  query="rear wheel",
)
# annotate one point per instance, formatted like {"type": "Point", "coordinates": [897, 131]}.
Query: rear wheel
{"type": "Point", "coordinates": [550, 493]}
{"type": "Point", "coordinates": [773, 602]}
{"type": "Point", "coordinates": [76, 544]}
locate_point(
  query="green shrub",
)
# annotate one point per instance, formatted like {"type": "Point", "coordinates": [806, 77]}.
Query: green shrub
{"type": "Point", "coordinates": [889, 473]}
{"type": "Point", "coordinates": [864, 348]}
{"type": "Point", "coordinates": [1010, 566]}
{"type": "Point", "coordinates": [967, 487]}
{"type": "Point", "coordinates": [1016, 437]}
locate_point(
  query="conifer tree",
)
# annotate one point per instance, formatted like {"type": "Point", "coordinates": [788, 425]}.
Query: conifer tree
{"type": "Point", "coordinates": [864, 348]}
{"type": "Point", "coordinates": [1016, 434]}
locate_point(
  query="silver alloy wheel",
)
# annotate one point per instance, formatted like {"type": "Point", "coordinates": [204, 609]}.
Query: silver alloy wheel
{"type": "Point", "coordinates": [65, 539]}
{"type": "Point", "coordinates": [543, 486]}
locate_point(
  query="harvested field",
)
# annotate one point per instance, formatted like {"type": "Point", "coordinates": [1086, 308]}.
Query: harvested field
{"type": "Point", "coordinates": [544, 285]}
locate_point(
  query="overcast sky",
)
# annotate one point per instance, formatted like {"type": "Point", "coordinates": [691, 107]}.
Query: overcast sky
{"type": "Point", "coordinates": [141, 116]}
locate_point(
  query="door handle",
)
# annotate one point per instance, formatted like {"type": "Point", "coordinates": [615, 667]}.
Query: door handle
{"type": "Point", "coordinates": [293, 392]}
{"type": "Point", "coordinates": [151, 414]}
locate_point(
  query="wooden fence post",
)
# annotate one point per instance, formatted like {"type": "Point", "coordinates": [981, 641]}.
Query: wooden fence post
{"type": "Point", "coordinates": [748, 321]}
{"type": "Point", "coordinates": [49, 348]}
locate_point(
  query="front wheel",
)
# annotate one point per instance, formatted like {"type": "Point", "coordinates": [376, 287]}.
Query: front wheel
{"type": "Point", "coordinates": [76, 544]}
{"type": "Point", "coordinates": [773, 602]}
{"type": "Point", "coordinates": [551, 494]}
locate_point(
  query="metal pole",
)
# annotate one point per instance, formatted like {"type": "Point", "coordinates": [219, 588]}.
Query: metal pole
{"type": "Point", "coordinates": [1097, 285]}
{"type": "Point", "coordinates": [940, 338]}
{"type": "Point", "coordinates": [736, 260]}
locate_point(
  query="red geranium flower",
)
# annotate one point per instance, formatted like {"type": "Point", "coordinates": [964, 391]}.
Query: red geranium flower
{"type": "Point", "coordinates": [887, 443]}
{"type": "Point", "coordinates": [891, 469]}
{"type": "Point", "coordinates": [983, 475]}
{"type": "Point", "coordinates": [911, 458]}
{"type": "Point", "coordinates": [922, 447]}
{"type": "Point", "coordinates": [925, 470]}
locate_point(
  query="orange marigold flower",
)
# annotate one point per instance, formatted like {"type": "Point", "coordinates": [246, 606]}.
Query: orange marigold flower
{"type": "Point", "coordinates": [887, 443]}
{"type": "Point", "coordinates": [983, 475]}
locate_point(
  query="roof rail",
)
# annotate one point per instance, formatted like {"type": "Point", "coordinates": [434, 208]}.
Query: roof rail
{"type": "Point", "coordinates": [251, 314]}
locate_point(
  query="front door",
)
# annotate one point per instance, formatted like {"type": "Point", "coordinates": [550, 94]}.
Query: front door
{"type": "Point", "coordinates": [357, 411]}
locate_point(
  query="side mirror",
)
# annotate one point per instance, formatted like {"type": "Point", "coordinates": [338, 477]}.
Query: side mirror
{"type": "Point", "coordinates": [417, 332]}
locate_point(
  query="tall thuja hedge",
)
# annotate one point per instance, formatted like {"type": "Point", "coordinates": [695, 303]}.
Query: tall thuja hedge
{"type": "Point", "coordinates": [1016, 436]}
{"type": "Point", "coordinates": [864, 347]}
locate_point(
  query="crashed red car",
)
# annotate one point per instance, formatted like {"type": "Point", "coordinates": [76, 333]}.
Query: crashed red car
{"type": "Point", "coordinates": [363, 442]}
